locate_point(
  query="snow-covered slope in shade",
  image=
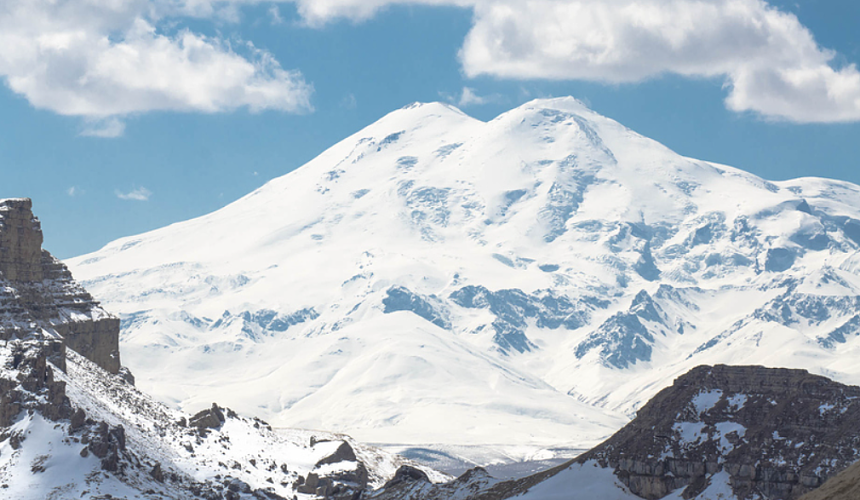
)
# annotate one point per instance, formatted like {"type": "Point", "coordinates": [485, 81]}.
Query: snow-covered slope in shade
{"type": "Point", "coordinates": [523, 281]}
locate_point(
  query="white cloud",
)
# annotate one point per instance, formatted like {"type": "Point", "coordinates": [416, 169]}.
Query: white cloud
{"type": "Point", "coordinates": [106, 58]}
{"type": "Point", "coordinates": [136, 194]}
{"type": "Point", "coordinates": [770, 62]}
{"type": "Point", "coordinates": [73, 191]}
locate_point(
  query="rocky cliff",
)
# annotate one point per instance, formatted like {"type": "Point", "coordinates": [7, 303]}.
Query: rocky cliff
{"type": "Point", "coordinates": [39, 297]}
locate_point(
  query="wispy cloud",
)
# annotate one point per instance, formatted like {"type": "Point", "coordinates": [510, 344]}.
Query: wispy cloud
{"type": "Point", "coordinates": [74, 191]}
{"type": "Point", "coordinates": [105, 128]}
{"type": "Point", "coordinates": [349, 101]}
{"type": "Point", "coordinates": [470, 97]}
{"type": "Point", "coordinates": [275, 15]}
{"type": "Point", "coordinates": [136, 194]}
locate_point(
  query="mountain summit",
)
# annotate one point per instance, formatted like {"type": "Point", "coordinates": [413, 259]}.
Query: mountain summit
{"type": "Point", "coordinates": [528, 280]}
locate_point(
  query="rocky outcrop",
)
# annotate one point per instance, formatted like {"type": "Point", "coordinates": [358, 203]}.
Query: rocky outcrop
{"type": "Point", "coordinates": [27, 381]}
{"type": "Point", "coordinates": [39, 298]}
{"type": "Point", "coordinates": [211, 418]}
{"type": "Point", "coordinates": [411, 484]}
{"type": "Point", "coordinates": [778, 433]}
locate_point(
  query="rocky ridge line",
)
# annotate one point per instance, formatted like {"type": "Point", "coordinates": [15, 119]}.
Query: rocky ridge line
{"type": "Point", "coordinates": [776, 433]}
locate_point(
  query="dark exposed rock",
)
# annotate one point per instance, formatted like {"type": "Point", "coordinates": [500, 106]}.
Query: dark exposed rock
{"type": "Point", "coordinates": [78, 419]}
{"type": "Point", "coordinates": [624, 339]}
{"type": "Point", "coordinates": [211, 418]}
{"type": "Point", "coordinates": [34, 388]}
{"type": "Point", "coordinates": [513, 309]}
{"type": "Point", "coordinates": [358, 477]}
{"type": "Point", "coordinates": [406, 473]}
{"type": "Point", "coordinates": [344, 453]}
{"type": "Point", "coordinates": [157, 473]}
{"type": "Point", "coordinates": [429, 308]}
{"type": "Point", "coordinates": [779, 260]}
{"type": "Point", "coordinates": [108, 444]}
{"type": "Point", "coordinates": [126, 375]}
{"type": "Point", "coordinates": [474, 484]}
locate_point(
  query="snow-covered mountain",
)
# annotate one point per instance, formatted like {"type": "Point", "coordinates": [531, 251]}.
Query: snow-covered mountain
{"type": "Point", "coordinates": [528, 281]}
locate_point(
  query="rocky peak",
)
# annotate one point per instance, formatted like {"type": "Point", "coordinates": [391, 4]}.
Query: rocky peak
{"type": "Point", "coordinates": [40, 299]}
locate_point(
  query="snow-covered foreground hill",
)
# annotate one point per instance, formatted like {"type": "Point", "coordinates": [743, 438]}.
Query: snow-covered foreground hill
{"type": "Point", "coordinates": [73, 430]}
{"type": "Point", "coordinates": [528, 281]}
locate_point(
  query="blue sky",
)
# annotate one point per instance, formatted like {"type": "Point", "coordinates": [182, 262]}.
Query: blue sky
{"type": "Point", "coordinates": [160, 136]}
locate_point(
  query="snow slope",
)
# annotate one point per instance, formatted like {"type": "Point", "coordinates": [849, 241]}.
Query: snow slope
{"type": "Point", "coordinates": [526, 281]}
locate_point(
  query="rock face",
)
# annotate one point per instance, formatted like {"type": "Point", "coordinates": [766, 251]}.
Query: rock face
{"type": "Point", "coordinates": [39, 297]}
{"type": "Point", "coordinates": [778, 434]}
{"type": "Point", "coordinates": [20, 241]}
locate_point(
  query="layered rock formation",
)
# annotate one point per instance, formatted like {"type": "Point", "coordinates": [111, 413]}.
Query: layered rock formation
{"type": "Point", "coordinates": [39, 297]}
{"type": "Point", "coordinates": [778, 433]}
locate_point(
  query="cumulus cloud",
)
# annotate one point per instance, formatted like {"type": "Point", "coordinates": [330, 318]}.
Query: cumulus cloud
{"type": "Point", "coordinates": [107, 58]}
{"type": "Point", "coordinates": [770, 62]}
{"type": "Point", "coordinates": [136, 194]}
